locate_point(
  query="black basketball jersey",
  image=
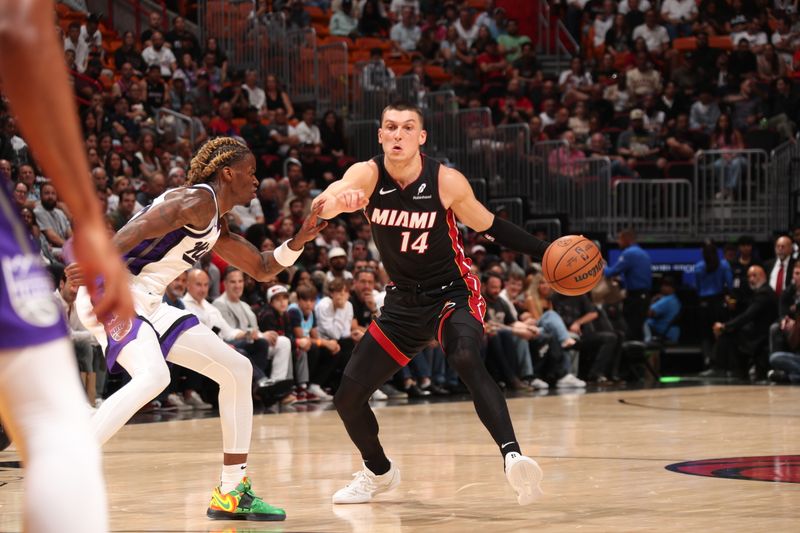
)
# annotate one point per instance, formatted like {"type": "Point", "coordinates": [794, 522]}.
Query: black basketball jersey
{"type": "Point", "coordinates": [416, 236]}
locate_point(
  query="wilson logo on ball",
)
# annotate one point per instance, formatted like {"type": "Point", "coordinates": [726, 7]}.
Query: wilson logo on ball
{"type": "Point", "coordinates": [591, 272]}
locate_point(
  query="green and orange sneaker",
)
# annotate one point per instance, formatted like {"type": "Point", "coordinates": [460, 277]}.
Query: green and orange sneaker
{"type": "Point", "coordinates": [242, 504]}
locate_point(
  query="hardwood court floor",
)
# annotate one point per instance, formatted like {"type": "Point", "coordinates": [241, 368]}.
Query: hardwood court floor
{"type": "Point", "coordinates": [604, 463]}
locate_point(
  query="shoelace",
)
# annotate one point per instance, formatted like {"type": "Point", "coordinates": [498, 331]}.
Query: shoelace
{"type": "Point", "coordinates": [360, 479]}
{"type": "Point", "coordinates": [249, 492]}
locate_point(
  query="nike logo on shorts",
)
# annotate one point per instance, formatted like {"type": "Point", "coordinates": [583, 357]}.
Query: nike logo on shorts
{"type": "Point", "coordinates": [382, 192]}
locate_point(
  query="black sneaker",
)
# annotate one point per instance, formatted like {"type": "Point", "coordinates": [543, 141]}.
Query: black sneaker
{"type": "Point", "coordinates": [712, 373]}
{"type": "Point", "coordinates": [778, 376]}
{"type": "Point", "coordinates": [271, 391]}
{"type": "Point", "coordinates": [438, 390]}
{"type": "Point", "coordinates": [414, 391]}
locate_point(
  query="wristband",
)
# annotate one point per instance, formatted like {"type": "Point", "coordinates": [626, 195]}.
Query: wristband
{"type": "Point", "coordinates": [517, 239]}
{"type": "Point", "coordinates": [285, 256]}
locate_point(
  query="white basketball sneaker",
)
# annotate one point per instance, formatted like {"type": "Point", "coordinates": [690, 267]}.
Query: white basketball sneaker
{"type": "Point", "coordinates": [367, 485]}
{"type": "Point", "coordinates": [524, 475]}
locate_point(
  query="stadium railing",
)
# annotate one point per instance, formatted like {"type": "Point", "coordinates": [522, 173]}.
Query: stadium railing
{"type": "Point", "coordinates": [660, 209]}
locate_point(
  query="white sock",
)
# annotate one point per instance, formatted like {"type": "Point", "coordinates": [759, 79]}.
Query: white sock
{"type": "Point", "coordinates": [231, 476]}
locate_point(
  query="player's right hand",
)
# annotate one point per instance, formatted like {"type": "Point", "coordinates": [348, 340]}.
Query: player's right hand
{"type": "Point", "coordinates": [351, 200]}
{"type": "Point", "coordinates": [100, 263]}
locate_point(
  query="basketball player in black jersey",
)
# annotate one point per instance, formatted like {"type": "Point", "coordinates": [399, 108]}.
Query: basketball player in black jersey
{"type": "Point", "coordinates": [412, 203]}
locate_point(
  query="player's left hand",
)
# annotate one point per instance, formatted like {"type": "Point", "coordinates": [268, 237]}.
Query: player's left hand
{"type": "Point", "coordinates": [312, 225]}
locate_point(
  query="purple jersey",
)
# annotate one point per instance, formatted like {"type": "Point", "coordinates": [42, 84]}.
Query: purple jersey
{"type": "Point", "coordinates": [29, 314]}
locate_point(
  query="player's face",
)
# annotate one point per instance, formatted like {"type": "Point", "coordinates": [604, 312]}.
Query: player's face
{"type": "Point", "coordinates": [401, 134]}
{"type": "Point", "coordinates": [244, 184]}
{"type": "Point", "coordinates": [234, 285]}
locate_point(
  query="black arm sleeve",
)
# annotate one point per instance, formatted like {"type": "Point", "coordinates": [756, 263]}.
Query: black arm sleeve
{"type": "Point", "coordinates": [512, 236]}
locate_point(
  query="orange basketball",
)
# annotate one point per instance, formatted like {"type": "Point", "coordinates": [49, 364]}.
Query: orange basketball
{"type": "Point", "coordinates": [572, 265]}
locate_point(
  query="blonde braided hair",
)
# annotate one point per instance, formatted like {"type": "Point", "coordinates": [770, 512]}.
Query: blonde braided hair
{"type": "Point", "coordinates": [214, 155]}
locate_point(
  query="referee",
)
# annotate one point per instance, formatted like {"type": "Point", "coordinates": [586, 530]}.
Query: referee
{"type": "Point", "coordinates": [633, 268]}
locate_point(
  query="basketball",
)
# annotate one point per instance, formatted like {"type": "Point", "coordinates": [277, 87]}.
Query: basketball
{"type": "Point", "coordinates": [572, 265]}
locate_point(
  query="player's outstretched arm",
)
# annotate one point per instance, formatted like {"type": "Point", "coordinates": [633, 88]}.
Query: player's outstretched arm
{"type": "Point", "coordinates": [350, 193]}
{"type": "Point", "coordinates": [35, 81]}
{"type": "Point", "coordinates": [263, 266]}
{"type": "Point", "coordinates": [456, 194]}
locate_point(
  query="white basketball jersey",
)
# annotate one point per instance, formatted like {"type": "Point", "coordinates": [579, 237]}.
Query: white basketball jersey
{"type": "Point", "coordinates": [154, 263]}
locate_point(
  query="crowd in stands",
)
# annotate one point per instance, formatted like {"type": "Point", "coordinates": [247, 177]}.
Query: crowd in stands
{"type": "Point", "coordinates": [630, 93]}
{"type": "Point", "coordinates": [649, 86]}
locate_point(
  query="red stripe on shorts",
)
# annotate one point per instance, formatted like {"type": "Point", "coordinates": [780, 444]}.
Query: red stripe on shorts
{"type": "Point", "coordinates": [388, 345]}
{"type": "Point", "coordinates": [441, 325]}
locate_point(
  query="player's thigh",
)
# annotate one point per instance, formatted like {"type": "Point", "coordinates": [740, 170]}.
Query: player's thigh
{"type": "Point", "coordinates": [200, 349]}
{"type": "Point", "coordinates": [461, 328]}
{"type": "Point", "coordinates": [31, 399]}
{"type": "Point", "coordinates": [371, 364]}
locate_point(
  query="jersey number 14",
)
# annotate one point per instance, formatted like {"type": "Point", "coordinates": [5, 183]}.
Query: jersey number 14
{"type": "Point", "coordinates": [419, 245]}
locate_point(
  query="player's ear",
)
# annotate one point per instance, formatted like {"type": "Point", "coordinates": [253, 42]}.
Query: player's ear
{"type": "Point", "coordinates": [423, 136]}
{"type": "Point", "coordinates": [227, 174]}
{"type": "Point", "coordinates": [380, 135]}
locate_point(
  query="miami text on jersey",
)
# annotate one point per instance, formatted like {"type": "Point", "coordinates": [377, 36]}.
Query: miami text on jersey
{"type": "Point", "coordinates": [403, 219]}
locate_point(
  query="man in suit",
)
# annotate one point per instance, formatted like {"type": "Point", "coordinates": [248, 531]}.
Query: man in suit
{"type": "Point", "coordinates": [788, 307]}
{"type": "Point", "coordinates": [779, 269]}
{"type": "Point", "coordinates": [746, 336]}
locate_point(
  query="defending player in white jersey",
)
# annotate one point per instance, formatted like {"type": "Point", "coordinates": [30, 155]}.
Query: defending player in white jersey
{"type": "Point", "coordinates": [158, 244]}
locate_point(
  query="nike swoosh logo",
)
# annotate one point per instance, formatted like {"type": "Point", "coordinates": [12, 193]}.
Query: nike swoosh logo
{"type": "Point", "coordinates": [225, 502]}
{"type": "Point", "coordinates": [382, 192]}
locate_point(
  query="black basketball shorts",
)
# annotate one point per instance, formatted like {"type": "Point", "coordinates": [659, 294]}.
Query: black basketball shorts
{"type": "Point", "coordinates": [411, 319]}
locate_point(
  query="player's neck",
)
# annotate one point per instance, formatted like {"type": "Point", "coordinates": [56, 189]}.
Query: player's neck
{"type": "Point", "coordinates": [224, 201]}
{"type": "Point", "coordinates": [404, 172]}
